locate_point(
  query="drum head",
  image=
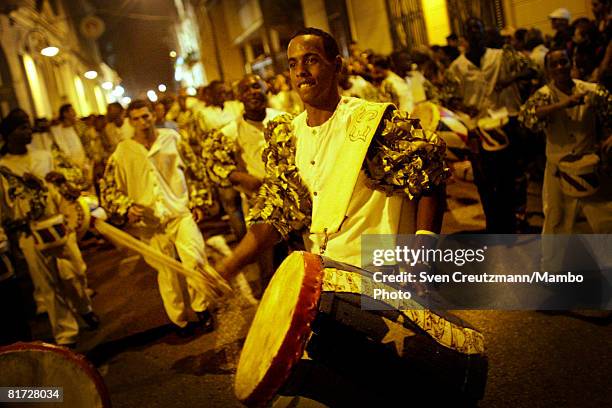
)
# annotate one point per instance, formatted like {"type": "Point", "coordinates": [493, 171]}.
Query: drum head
{"type": "Point", "coordinates": [77, 214]}
{"type": "Point", "coordinates": [428, 114]}
{"type": "Point", "coordinates": [45, 365]}
{"type": "Point", "coordinates": [280, 329]}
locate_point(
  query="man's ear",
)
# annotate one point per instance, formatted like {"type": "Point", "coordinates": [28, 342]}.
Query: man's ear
{"type": "Point", "coordinates": [338, 62]}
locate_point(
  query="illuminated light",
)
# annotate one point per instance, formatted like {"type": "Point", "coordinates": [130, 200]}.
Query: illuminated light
{"type": "Point", "coordinates": [91, 74]}
{"type": "Point", "coordinates": [81, 97]}
{"type": "Point", "coordinates": [436, 21]}
{"type": "Point", "coordinates": [34, 81]}
{"type": "Point", "coordinates": [172, 54]}
{"type": "Point", "coordinates": [118, 91]}
{"type": "Point", "coordinates": [161, 88]}
{"type": "Point", "coordinates": [180, 61]}
{"type": "Point", "coordinates": [108, 85]}
{"type": "Point", "coordinates": [49, 51]}
{"type": "Point", "coordinates": [126, 100]}
{"type": "Point", "coordinates": [152, 95]}
{"type": "Point", "coordinates": [100, 100]}
{"type": "Point", "coordinates": [191, 91]}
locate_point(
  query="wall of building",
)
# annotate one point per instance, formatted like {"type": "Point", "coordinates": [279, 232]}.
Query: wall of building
{"type": "Point", "coordinates": [314, 14]}
{"type": "Point", "coordinates": [370, 25]}
{"type": "Point", "coordinates": [534, 13]}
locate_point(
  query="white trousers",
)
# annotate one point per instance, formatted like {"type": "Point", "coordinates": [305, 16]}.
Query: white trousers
{"type": "Point", "coordinates": [60, 280]}
{"type": "Point", "coordinates": [561, 212]}
{"type": "Point", "coordinates": [181, 237]}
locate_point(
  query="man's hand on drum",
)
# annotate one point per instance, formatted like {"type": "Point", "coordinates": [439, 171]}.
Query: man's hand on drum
{"type": "Point", "coordinates": [574, 100]}
{"type": "Point", "coordinates": [135, 213]}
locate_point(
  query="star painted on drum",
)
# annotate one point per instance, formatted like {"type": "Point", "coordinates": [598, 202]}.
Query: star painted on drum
{"type": "Point", "coordinates": [396, 335]}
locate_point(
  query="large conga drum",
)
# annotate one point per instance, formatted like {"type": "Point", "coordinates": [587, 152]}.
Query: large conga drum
{"type": "Point", "coordinates": [311, 337]}
{"type": "Point", "coordinates": [447, 124]}
{"type": "Point", "coordinates": [77, 213]}
{"type": "Point", "coordinates": [45, 365]}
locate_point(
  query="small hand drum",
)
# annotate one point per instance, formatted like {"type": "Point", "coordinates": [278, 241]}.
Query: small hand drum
{"type": "Point", "coordinates": [311, 316]}
{"type": "Point", "coordinates": [447, 124]}
{"type": "Point", "coordinates": [49, 233]}
{"type": "Point", "coordinates": [45, 365]}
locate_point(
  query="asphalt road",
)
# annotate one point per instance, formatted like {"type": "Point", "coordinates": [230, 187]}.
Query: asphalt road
{"type": "Point", "coordinates": [535, 359]}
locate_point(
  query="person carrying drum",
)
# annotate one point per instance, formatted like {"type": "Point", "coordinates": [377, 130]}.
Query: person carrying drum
{"type": "Point", "coordinates": [146, 189]}
{"type": "Point", "coordinates": [31, 194]}
{"type": "Point", "coordinates": [342, 168]}
{"type": "Point", "coordinates": [487, 90]}
{"type": "Point", "coordinates": [576, 119]}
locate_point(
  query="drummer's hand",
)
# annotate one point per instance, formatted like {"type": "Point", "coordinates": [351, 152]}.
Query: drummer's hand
{"type": "Point", "coordinates": [135, 213]}
{"type": "Point", "coordinates": [198, 215]}
{"type": "Point", "coordinates": [574, 100]}
{"type": "Point", "coordinates": [55, 177]}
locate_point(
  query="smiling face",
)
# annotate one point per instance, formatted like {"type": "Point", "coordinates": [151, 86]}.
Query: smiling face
{"type": "Point", "coordinates": [558, 66]}
{"type": "Point", "coordinates": [19, 138]}
{"type": "Point", "coordinates": [313, 75]}
{"type": "Point", "coordinates": [252, 93]}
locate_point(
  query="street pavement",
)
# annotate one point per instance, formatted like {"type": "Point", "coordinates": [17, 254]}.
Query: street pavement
{"type": "Point", "coordinates": [535, 359]}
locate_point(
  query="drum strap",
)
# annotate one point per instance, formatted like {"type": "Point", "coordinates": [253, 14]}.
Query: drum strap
{"type": "Point", "coordinates": [330, 209]}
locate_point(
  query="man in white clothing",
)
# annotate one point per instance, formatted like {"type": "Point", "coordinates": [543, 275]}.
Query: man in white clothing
{"type": "Point", "coordinates": [145, 187]}
{"type": "Point", "coordinates": [69, 142]}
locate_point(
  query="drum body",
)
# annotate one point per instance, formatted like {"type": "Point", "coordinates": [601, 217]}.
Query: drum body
{"type": "Point", "coordinates": [579, 175]}
{"type": "Point", "coordinates": [77, 213]}
{"type": "Point", "coordinates": [314, 339]}
{"type": "Point", "coordinates": [44, 365]}
{"type": "Point", "coordinates": [447, 124]}
{"type": "Point", "coordinates": [492, 135]}
{"type": "Point", "coordinates": [49, 233]}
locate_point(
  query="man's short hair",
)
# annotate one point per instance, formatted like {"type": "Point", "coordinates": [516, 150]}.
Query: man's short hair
{"type": "Point", "coordinates": [547, 56]}
{"type": "Point", "coordinates": [64, 109]}
{"type": "Point", "coordinates": [137, 104]}
{"type": "Point", "coordinates": [329, 43]}
{"type": "Point", "coordinates": [114, 105]}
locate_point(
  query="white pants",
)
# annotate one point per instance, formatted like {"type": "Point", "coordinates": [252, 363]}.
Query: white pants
{"type": "Point", "coordinates": [561, 212]}
{"type": "Point", "coordinates": [60, 280]}
{"type": "Point", "coordinates": [181, 237]}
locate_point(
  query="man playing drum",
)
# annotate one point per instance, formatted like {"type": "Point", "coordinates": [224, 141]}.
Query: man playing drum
{"type": "Point", "coordinates": [326, 168]}
{"type": "Point", "coordinates": [31, 193]}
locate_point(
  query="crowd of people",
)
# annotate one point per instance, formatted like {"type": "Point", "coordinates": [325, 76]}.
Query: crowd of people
{"type": "Point", "coordinates": [267, 152]}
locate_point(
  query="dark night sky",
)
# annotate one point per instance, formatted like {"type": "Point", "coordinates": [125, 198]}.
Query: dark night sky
{"type": "Point", "coordinates": [136, 47]}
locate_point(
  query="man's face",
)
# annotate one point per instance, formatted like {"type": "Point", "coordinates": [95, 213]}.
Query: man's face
{"type": "Point", "coordinates": [160, 112]}
{"type": "Point", "coordinates": [19, 138]}
{"type": "Point", "coordinates": [559, 23]}
{"type": "Point", "coordinates": [475, 33]}
{"type": "Point", "coordinates": [598, 8]}
{"type": "Point", "coordinates": [142, 120]}
{"type": "Point", "coordinates": [559, 66]}
{"type": "Point", "coordinates": [221, 93]}
{"type": "Point", "coordinates": [313, 76]}
{"type": "Point", "coordinates": [252, 93]}
{"type": "Point", "coordinates": [70, 115]}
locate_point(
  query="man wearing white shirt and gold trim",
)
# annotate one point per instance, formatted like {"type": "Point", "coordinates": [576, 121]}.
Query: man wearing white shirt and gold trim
{"type": "Point", "coordinates": [146, 187]}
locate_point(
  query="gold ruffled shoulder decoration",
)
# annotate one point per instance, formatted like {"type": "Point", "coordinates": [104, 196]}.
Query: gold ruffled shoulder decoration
{"type": "Point", "coordinates": [218, 155]}
{"type": "Point", "coordinates": [113, 200]}
{"type": "Point", "coordinates": [601, 101]}
{"type": "Point", "coordinates": [283, 199]}
{"type": "Point", "coordinates": [527, 116]}
{"type": "Point", "coordinates": [404, 159]}
{"type": "Point", "coordinates": [31, 190]}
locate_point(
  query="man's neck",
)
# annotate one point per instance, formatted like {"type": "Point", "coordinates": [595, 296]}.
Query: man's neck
{"type": "Point", "coordinates": [565, 86]}
{"type": "Point", "coordinates": [67, 123]}
{"type": "Point", "coordinates": [146, 139]}
{"type": "Point", "coordinates": [475, 53]}
{"type": "Point", "coordinates": [318, 115]}
{"type": "Point", "coordinates": [255, 116]}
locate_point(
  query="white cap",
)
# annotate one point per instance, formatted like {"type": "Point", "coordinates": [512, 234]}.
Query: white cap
{"type": "Point", "coordinates": [562, 13]}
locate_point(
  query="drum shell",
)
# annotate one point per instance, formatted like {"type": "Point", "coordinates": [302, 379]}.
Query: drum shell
{"type": "Point", "coordinates": [579, 175]}
{"type": "Point", "coordinates": [49, 233]}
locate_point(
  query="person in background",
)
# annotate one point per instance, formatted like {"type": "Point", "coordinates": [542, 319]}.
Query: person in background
{"type": "Point", "coordinates": [160, 117]}
{"type": "Point", "coordinates": [560, 22]}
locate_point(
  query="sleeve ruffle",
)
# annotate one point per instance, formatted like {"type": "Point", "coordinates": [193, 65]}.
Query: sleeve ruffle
{"type": "Point", "coordinates": [527, 115]}
{"type": "Point", "coordinates": [602, 104]}
{"type": "Point", "coordinates": [283, 199]}
{"type": "Point", "coordinates": [219, 161]}
{"type": "Point", "coordinates": [404, 159]}
{"type": "Point", "coordinates": [113, 200]}
{"type": "Point", "coordinates": [73, 174]}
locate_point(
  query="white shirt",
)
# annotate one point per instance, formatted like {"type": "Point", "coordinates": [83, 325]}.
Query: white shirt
{"type": "Point", "coordinates": [153, 178]}
{"type": "Point", "coordinates": [249, 136]}
{"type": "Point", "coordinates": [69, 142]}
{"type": "Point", "coordinates": [477, 85]}
{"type": "Point", "coordinates": [318, 151]}
{"type": "Point", "coordinates": [537, 55]}
{"type": "Point", "coordinates": [570, 130]}
{"type": "Point", "coordinates": [213, 117]}
{"type": "Point", "coordinates": [402, 90]}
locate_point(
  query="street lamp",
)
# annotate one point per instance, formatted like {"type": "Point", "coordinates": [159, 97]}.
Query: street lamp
{"type": "Point", "coordinates": [152, 95]}
{"type": "Point", "coordinates": [108, 85]}
{"type": "Point", "coordinates": [161, 88]}
{"type": "Point", "coordinates": [91, 74]}
{"type": "Point", "coordinates": [49, 51]}
{"type": "Point", "coordinates": [172, 54]}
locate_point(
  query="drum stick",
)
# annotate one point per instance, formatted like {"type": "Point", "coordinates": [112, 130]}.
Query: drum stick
{"type": "Point", "coordinates": [208, 281]}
